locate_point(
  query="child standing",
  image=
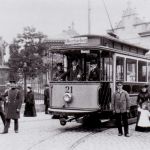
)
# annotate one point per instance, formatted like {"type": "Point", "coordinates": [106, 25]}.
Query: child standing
{"type": "Point", "coordinates": [143, 122]}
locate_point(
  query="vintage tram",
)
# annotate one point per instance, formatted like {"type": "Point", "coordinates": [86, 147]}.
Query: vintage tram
{"type": "Point", "coordinates": [85, 98]}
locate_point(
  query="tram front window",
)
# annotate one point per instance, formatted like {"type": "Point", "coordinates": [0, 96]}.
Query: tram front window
{"type": "Point", "coordinates": [66, 68]}
{"type": "Point", "coordinates": [76, 66]}
{"type": "Point", "coordinates": [58, 72]}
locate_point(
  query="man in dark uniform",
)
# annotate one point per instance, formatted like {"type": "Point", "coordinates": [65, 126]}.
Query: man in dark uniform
{"type": "Point", "coordinates": [75, 72]}
{"type": "Point", "coordinates": [94, 72]}
{"type": "Point", "coordinates": [46, 98]}
{"type": "Point", "coordinates": [59, 75]}
{"type": "Point", "coordinates": [13, 106]}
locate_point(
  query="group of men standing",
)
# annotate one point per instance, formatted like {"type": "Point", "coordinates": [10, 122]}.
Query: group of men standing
{"type": "Point", "coordinates": [12, 101]}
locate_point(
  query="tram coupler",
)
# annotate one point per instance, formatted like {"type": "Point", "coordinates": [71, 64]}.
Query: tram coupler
{"type": "Point", "coordinates": [63, 120]}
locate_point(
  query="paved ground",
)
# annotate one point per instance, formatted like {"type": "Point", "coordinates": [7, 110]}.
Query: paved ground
{"type": "Point", "coordinates": [44, 133]}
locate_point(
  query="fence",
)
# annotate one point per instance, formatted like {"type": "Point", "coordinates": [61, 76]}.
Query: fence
{"type": "Point", "coordinates": [38, 88]}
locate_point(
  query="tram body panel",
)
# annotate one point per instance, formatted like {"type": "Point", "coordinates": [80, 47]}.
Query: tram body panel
{"type": "Point", "coordinates": [83, 96]}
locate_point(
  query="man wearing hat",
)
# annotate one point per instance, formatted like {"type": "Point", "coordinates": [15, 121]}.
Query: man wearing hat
{"type": "Point", "coordinates": [13, 106]}
{"type": "Point", "coordinates": [59, 74]}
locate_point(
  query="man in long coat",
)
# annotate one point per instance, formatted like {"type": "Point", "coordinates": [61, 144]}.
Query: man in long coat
{"type": "Point", "coordinates": [13, 106]}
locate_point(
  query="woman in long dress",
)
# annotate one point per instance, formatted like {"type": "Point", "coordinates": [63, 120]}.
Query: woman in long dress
{"type": "Point", "coordinates": [30, 110]}
{"type": "Point", "coordinates": [143, 96]}
{"type": "Point", "coordinates": [143, 122]}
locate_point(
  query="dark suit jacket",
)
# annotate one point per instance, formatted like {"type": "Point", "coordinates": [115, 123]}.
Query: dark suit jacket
{"type": "Point", "coordinates": [46, 97]}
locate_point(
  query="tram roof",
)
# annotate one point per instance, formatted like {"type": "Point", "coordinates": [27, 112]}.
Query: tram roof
{"type": "Point", "coordinates": [112, 39]}
{"type": "Point", "coordinates": [94, 42]}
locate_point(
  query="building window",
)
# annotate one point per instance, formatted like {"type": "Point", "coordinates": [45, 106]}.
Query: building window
{"type": "Point", "coordinates": [120, 68]}
{"type": "Point", "coordinates": [131, 70]}
{"type": "Point", "coordinates": [142, 71]}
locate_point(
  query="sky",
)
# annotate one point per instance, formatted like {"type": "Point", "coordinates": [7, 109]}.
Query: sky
{"type": "Point", "coordinates": [53, 16]}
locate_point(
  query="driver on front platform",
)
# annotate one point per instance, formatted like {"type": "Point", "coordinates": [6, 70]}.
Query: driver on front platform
{"type": "Point", "coordinates": [94, 72]}
{"type": "Point", "coordinates": [75, 71]}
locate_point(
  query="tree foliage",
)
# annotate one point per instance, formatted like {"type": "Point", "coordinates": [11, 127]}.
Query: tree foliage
{"type": "Point", "coordinates": [26, 53]}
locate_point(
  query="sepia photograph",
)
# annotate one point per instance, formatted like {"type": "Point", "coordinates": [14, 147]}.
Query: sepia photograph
{"type": "Point", "coordinates": [74, 74]}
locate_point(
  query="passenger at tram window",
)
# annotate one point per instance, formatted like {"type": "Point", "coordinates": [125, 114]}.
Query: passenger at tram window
{"type": "Point", "coordinates": [75, 71]}
{"type": "Point", "coordinates": [94, 72]}
{"type": "Point", "coordinates": [59, 75]}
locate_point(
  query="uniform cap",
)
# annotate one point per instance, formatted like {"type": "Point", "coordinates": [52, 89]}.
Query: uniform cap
{"type": "Point", "coordinates": [145, 86]}
{"type": "Point", "coordinates": [93, 62]}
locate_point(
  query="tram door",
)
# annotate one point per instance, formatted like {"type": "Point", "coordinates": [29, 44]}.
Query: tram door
{"type": "Point", "coordinates": [106, 77]}
{"type": "Point", "coordinates": [105, 96]}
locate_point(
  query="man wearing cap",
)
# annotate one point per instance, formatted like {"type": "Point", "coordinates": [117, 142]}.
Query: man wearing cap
{"type": "Point", "coordinates": [94, 72]}
{"type": "Point", "coordinates": [59, 75]}
{"type": "Point", "coordinates": [120, 106]}
{"type": "Point", "coordinates": [75, 72]}
{"type": "Point", "coordinates": [13, 106]}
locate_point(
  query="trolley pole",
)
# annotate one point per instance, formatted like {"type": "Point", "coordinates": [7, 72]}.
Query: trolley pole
{"type": "Point", "coordinates": [89, 17]}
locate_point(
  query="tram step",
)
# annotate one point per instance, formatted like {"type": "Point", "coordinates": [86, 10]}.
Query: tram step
{"type": "Point", "coordinates": [111, 123]}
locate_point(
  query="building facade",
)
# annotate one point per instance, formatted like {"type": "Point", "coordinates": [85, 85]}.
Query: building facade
{"type": "Point", "coordinates": [133, 29]}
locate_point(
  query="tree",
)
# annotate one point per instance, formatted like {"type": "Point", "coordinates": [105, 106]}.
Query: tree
{"type": "Point", "coordinates": [26, 53]}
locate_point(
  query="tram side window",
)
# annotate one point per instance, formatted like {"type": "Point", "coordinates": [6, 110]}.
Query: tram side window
{"type": "Point", "coordinates": [131, 70]}
{"type": "Point", "coordinates": [120, 68]}
{"type": "Point", "coordinates": [142, 71]}
{"type": "Point", "coordinates": [106, 69]}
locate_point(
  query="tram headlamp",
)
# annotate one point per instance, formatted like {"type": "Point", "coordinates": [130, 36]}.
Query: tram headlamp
{"type": "Point", "coordinates": [67, 97]}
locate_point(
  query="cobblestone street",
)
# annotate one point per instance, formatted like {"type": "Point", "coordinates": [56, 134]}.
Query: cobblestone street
{"type": "Point", "coordinates": [44, 133]}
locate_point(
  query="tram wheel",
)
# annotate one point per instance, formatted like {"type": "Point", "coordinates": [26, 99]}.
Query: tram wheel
{"type": "Point", "coordinates": [63, 121]}
{"type": "Point", "coordinates": [91, 121]}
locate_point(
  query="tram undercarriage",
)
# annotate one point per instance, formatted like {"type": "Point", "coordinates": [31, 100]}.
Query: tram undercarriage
{"type": "Point", "coordinates": [93, 119]}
